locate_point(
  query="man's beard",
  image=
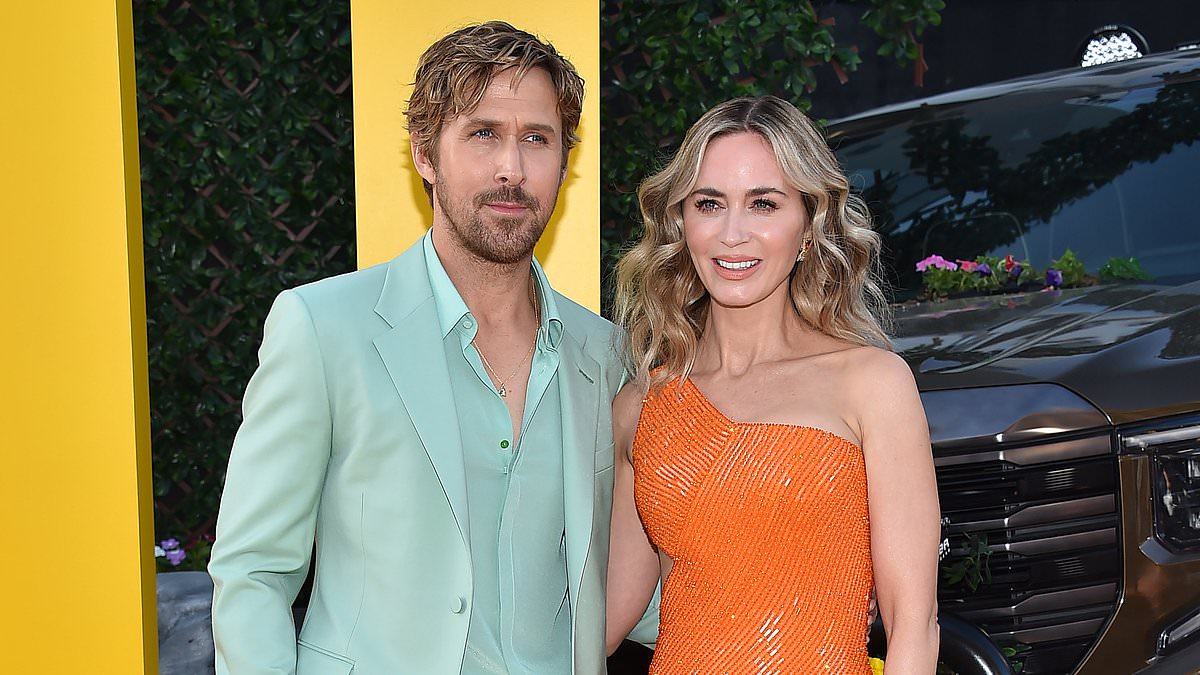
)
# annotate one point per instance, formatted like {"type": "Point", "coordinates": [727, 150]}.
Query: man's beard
{"type": "Point", "coordinates": [502, 240]}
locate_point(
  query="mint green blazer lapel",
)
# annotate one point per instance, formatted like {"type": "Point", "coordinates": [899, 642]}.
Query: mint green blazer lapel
{"type": "Point", "coordinates": [579, 385]}
{"type": "Point", "coordinates": [415, 359]}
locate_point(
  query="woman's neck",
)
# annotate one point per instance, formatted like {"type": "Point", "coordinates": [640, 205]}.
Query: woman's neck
{"type": "Point", "coordinates": [736, 339]}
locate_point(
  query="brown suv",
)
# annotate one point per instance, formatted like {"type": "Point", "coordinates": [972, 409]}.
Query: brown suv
{"type": "Point", "coordinates": [1065, 420]}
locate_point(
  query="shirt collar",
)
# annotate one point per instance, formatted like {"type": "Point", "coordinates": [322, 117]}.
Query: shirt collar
{"type": "Point", "coordinates": [451, 308]}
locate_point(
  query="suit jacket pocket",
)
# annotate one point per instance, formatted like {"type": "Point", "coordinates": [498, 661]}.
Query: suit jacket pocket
{"type": "Point", "coordinates": [314, 660]}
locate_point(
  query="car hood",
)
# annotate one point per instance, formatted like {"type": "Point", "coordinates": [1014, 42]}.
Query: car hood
{"type": "Point", "coordinates": [1132, 350]}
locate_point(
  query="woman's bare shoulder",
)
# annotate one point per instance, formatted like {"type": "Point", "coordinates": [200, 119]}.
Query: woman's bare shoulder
{"type": "Point", "coordinates": [875, 367]}
{"type": "Point", "coordinates": [884, 393]}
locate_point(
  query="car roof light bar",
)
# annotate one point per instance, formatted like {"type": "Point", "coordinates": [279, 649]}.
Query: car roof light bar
{"type": "Point", "coordinates": [1109, 44]}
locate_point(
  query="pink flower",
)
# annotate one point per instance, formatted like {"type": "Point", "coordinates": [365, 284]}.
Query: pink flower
{"type": "Point", "coordinates": [967, 265]}
{"type": "Point", "coordinates": [937, 262]}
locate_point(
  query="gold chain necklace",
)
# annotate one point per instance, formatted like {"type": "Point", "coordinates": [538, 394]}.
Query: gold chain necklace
{"type": "Point", "coordinates": [500, 382]}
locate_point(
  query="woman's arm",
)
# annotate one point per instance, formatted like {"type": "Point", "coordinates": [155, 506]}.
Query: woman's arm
{"type": "Point", "coordinates": [904, 510]}
{"type": "Point", "coordinates": [633, 565]}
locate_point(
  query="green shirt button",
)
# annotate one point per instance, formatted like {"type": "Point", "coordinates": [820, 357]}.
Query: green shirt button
{"type": "Point", "coordinates": [504, 444]}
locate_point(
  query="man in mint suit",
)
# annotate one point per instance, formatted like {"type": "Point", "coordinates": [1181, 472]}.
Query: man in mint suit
{"type": "Point", "coordinates": [440, 424]}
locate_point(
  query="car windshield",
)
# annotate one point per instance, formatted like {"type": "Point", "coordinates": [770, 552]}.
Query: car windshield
{"type": "Point", "coordinates": [1113, 175]}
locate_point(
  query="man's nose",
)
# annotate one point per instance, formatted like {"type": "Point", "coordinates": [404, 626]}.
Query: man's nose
{"type": "Point", "coordinates": [510, 168]}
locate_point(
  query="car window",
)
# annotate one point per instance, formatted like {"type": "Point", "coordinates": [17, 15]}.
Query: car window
{"type": "Point", "coordinates": [1032, 175]}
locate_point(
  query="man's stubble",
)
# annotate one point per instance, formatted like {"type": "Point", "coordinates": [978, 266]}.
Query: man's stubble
{"type": "Point", "coordinates": [500, 240]}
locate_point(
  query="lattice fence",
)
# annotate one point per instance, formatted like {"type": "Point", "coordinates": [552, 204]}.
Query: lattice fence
{"type": "Point", "coordinates": [244, 112]}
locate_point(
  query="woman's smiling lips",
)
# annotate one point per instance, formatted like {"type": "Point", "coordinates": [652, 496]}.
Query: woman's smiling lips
{"type": "Point", "coordinates": [735, 268]}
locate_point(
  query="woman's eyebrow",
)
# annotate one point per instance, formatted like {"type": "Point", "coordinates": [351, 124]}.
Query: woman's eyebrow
{"type": "Point", "coordinates": [759, 191]}
{"type": "Point", "coordinates": [752, 192]}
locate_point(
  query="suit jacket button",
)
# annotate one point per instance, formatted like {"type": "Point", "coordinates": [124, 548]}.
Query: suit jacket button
{"type": "Point", "coordinates": [457, 605]}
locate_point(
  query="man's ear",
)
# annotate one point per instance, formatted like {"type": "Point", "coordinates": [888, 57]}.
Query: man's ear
{"type": "Point", "coordinates": [421, 161]}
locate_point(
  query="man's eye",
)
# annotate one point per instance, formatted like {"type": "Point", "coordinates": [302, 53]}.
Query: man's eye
{"type": "Point", "coordinates": [537, 138]}
{"type": "Point", "coordinates": [763, 205]}
{"type": "Point", "coordinates": [707, 205]}
{"type": "Point", "coordinates": [484, 133]}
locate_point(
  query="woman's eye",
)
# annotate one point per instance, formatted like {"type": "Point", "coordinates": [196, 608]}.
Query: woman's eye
{"type": "Point", "coordinates": [763, 205]}
{"type": "Point", "coordinates": [707, 205]}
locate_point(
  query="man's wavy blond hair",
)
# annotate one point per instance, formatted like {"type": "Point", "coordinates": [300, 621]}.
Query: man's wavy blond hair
{"type": "Point", "coordinates": [660, 301]}
{"type": "Point", "coordinates": [454, 73]}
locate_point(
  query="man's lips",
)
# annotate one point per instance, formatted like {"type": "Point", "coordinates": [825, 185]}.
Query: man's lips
{"type": "Point", "coordinates": [506, 207]}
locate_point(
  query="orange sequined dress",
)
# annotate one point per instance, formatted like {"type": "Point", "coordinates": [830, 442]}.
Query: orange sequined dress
{"type": "Point", "coordinates": [768, 530]}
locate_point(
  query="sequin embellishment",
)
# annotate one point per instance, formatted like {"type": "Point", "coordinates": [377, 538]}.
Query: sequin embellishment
{"type": "Point", "coordinates": [768, 528]}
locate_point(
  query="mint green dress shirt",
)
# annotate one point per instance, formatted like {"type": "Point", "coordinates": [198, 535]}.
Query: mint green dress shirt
{"type": "Point", "coordinates": [520, 620]}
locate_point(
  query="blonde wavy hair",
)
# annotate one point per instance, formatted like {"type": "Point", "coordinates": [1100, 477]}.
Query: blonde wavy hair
{"type": "Point", "coordinates": [660, 300]}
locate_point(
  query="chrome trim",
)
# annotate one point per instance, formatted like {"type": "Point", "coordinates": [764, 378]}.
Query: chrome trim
{"type": "Point", "coordinates": [1180, 631]}
{"type": "Point", "coordinates": [1093, 446]}
{"type": "Point", "coordinates": [1144, 441]}
{"type": "Point", "coordinates": [1043, 513]}
{"type": "Point", "coordinates": [1064, 542]}
{"type": "Point", "coordinates": [1077, 629]}
{"type": "Point", "coordinates": [1159, 554]}
{"type": "Point", "coordinates": [1048, 602]}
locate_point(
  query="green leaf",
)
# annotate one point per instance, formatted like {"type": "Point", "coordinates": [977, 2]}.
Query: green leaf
{"type": "Point", "coordinates": [204, 186]}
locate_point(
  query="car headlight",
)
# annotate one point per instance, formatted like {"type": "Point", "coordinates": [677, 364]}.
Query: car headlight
{"type": "Point", "coordinates": [1175, 457]}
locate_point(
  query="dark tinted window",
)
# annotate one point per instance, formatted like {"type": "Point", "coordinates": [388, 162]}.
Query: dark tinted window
{"type": "Point", "coordinates": [1113, 175]}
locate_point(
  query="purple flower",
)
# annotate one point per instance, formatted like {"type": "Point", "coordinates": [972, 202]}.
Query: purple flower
{"type": "Point", "coordinates": [1054, 278]}
{"type": "Point", "coordinates": [1015, 271]}
{"type": "Point", "coordinates": [984, 270]}
{"type": "Point", "coordinates": [176, 556]}
{"type": "Point", "coordinates": [169, 544]}
{"type": "Point", "coordinates": [935, 261]}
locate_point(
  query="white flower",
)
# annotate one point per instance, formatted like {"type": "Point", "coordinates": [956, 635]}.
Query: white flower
{"type": "Point", "coordinates": [159, 552]}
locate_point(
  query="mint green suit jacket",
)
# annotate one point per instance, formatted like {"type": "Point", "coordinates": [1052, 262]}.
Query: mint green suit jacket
{"type": "Point", "coordinates": [350, 438]}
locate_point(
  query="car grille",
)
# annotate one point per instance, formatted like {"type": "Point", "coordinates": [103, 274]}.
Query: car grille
{"type": "Point", "coordinates": [1048, 514]}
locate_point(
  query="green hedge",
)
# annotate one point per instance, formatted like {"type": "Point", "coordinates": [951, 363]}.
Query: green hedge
{"type": "Point", "coordinates": [244, 113]}
{"type": "Point", "coordinates": [665, 63]}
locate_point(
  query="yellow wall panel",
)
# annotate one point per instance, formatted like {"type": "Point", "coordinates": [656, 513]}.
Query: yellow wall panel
{"type": "Point", "coordinates": [77, 564]}
{"type": "Point", "coordinates": [387, 38]}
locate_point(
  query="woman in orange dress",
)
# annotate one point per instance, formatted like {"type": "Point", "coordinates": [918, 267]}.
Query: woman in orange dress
{"type": "Point", "coordinates": [772, 456]}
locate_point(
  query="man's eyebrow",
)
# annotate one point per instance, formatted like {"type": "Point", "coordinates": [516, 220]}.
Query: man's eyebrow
{"type": "Point", "coordinates": [547, 129]}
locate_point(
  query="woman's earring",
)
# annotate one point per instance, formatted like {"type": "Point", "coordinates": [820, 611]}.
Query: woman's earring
{"type": "Point", "coordinates": [803, 249]}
